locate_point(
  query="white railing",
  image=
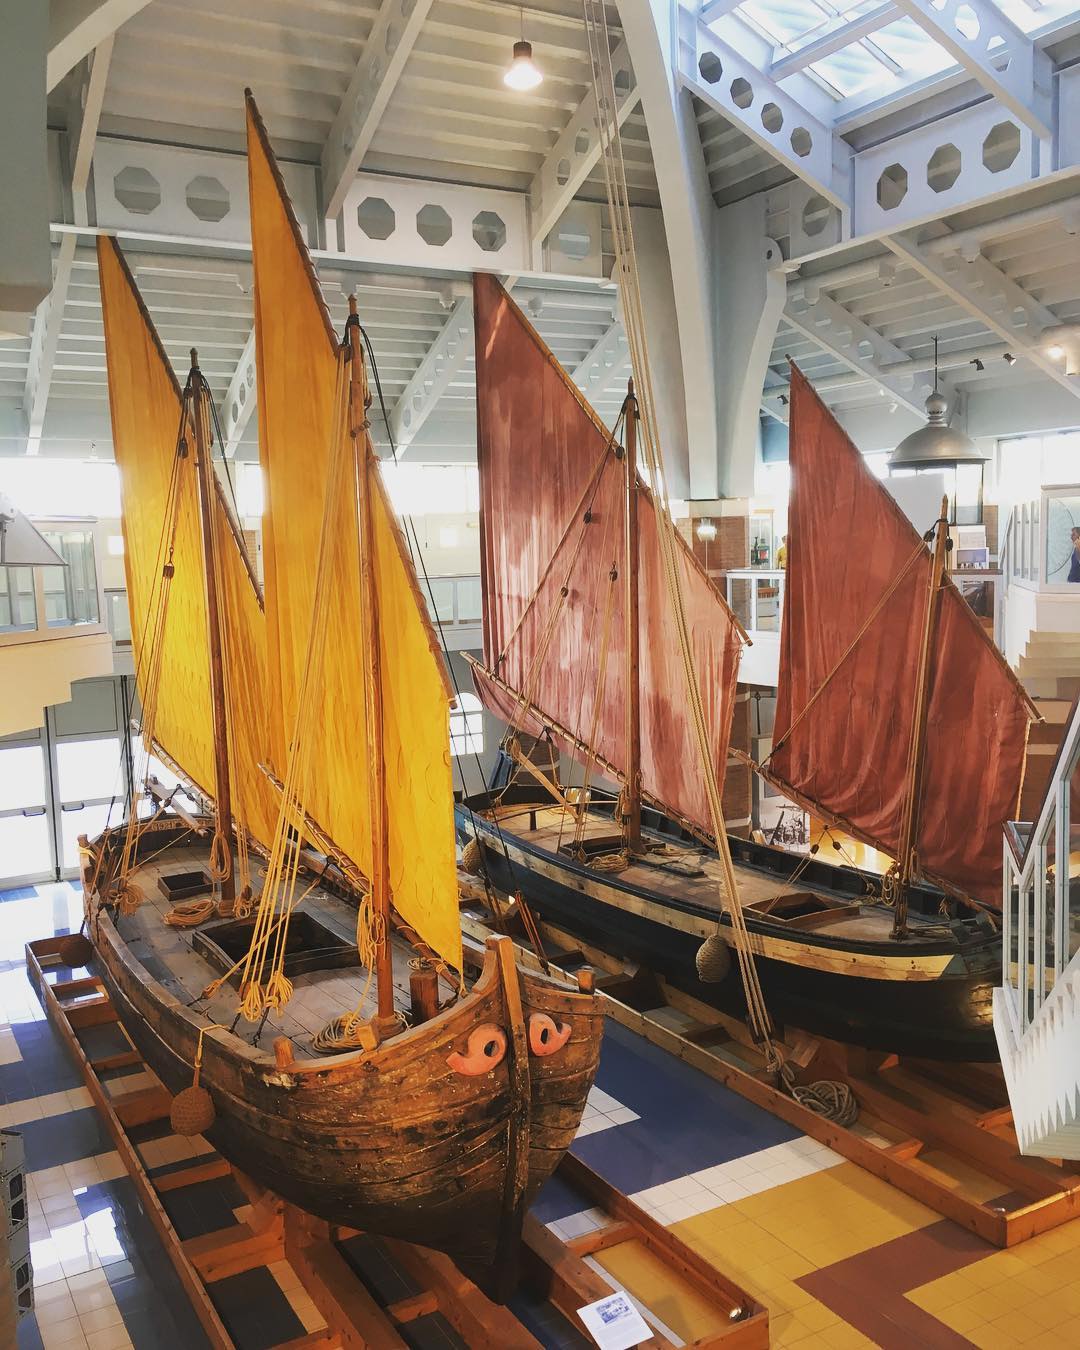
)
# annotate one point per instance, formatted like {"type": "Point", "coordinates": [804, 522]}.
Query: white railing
{"type": "Point", "coordinates": [1037, 1008]}
{"type": "Point", "coordinates": [756, 596]}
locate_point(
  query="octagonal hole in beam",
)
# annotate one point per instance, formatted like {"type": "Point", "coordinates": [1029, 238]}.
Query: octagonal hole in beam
{"type": "Point", "coordinates": [943, 167]}
{"type": "Point", "coordinates": [966, 22]}
{"type": "Point", "coordinates": [815, 215]}
{"type": "Point", "coordinates": [207, 198]}
{"type": "Point", "coordinates": [581, 142]}
{"type": "Point", "coordinates": [489, 231]}
{"type": "Point", "coordinates": [892, 187]}
{"type": "Point", "coordinates": [711, 68]}
{"type": "Point", "coordinates": [621, 81]}
{"type": "Point", "coordinates": [433, 225]}
{"type": "Point", "coordinates": [772, 119]}
{"type": "Point", "coordinates": [376, 218]}
{"type": "Point", "coordinates": [1001, 146]}
{"type": "Point", "coordinates": [137, 190]}
{"type": "Point", "coordinates": [562, 172]}
{"type": "Point", "coordinates": [801, 142]}
{"type": "Point", "coordinates": [742, 95]}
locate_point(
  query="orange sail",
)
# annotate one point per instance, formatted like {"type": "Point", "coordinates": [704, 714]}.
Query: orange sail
{"type": "Point", "coordinates": [854, 614]}
{"type": "Point", "coordinates": [300, 369]}
{"type": "Point", "coordinates": [552, 518]}
{"type": "Point", "coordinates": [145, 403]}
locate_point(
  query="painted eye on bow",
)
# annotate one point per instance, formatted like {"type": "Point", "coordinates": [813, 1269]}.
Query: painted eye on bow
{"type": "Point", "coordinates": [485, 1050]}
{"type": "Point", "coordinates": [546, 1037]}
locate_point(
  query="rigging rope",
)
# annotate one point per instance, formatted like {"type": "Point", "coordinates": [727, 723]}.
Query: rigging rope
{"type": "Point", "coordinates": [600, 45]}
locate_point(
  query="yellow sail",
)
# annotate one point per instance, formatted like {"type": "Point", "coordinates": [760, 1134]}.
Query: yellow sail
{"type": "Point", "coordinates": [299, 367]}
{"type": "Point", "coordinates": [145, 402]}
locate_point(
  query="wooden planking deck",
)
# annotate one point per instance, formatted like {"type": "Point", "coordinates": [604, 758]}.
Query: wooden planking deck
{"type": "Point", "coordinates": [554, 827]}
{"type": "Point", "coordinates": [169, 956]}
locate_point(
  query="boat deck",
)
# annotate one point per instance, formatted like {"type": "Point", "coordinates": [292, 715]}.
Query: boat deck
{"type": "Point", "coordinates": [169, 957]}
{"type": "Point", "coordinates": [666, 874]}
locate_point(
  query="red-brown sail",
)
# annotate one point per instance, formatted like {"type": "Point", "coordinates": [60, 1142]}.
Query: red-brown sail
{"type": "Point", "coordinates": [841, 744]}
{"type": "Point", "coordinates": [546, 462]}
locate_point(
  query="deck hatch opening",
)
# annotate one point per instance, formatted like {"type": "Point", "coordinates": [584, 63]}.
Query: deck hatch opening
{"type": "Point", "coordinates": [309, 946]}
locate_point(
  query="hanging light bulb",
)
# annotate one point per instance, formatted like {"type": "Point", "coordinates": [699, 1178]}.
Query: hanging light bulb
{"type": "Point", "coordinates": [523, 73]}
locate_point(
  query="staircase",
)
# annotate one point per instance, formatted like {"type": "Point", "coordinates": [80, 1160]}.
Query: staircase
{"type": "Point", "coordinates": [1042, 1069]}
{"type": "Point", "coordinates": [1037, 1009]}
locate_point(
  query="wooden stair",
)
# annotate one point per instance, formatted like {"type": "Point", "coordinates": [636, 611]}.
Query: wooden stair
{"type": "Point", "coordinates": [1050, 670]}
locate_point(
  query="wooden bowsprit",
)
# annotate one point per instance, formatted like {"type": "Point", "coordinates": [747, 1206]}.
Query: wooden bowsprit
{"type": "Point", "coordinates": [568, 1275]}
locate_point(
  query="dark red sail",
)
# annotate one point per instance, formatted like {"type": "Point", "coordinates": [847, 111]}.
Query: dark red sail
{"type": "Point", "coordinates": [552, 516]}
{"type": "Point", "coordinates": [855, 611]}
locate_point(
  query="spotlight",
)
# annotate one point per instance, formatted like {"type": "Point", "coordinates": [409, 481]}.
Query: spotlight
{"type": "Point", "coordinates": [1009, 359]}
{"type": "Point", "coordinates": [977, 363]}
{"type": "Point", "coordinates": [1055, 352]}
{"type": "Point", "coordinates": [784, 399]}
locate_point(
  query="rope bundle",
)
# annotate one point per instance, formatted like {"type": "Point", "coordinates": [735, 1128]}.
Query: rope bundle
{"type": "Point", "coordinates": [189, 914]}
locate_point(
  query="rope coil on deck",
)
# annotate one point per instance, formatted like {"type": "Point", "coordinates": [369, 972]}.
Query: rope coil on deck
{"type": "Point", "coordinates": [190, 913]}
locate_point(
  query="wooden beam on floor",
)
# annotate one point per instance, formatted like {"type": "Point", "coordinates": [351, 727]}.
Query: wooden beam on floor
{"type": "Point", "coordinates": [192, 1176]}
{"type": "Point", "coordinates": [233, 1250]}
{"type": "Point", "coordinates": [350, 1311]}
{"type": "Point", "coordinates": [142, 1107]}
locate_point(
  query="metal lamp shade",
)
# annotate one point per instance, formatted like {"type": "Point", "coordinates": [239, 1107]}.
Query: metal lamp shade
{"type": "Point", "coordinates": [935, 445]}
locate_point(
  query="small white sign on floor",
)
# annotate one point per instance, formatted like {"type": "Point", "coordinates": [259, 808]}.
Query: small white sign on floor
{"type": "Point", "coordinates": [614, 1323]}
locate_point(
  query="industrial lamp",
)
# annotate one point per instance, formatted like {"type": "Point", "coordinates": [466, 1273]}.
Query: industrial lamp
{"type": "Point", "coordinates": [522, 74]}
{"type": "Point", "coordinates": [936, 445]}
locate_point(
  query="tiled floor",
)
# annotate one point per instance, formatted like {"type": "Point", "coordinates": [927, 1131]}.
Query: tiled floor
{"type": "Point", "coordinates": [839, 1258]}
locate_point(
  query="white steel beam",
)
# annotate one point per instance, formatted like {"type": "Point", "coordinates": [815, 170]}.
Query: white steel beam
{"type": "Point", "coordinates": [388, 47]}
{"type": "Point", "coordinates": [861, 348]}
{"type": "Point", "coordinates": [609, 357]}
{"type": "Point", "coordinates": [577, 151]}
{"type": "Point", "coordinates": [987, 294]}
{"type": "Point", "coordinates": [46, 337]}
{"type": "Point", "coordinates": [49, 319]}
{"type": "Point", "coordinates": [77, 27]}
{"type": "Point", "coordinates": [832, 40]}
{"type": "Point", "coordinates": [434, 375]}
{"type": "Point", "coordinates": [241, 397]}
{"type": "Point", "coordinates": [1014, 70]}
{"type": "Point", "coordinates": [732, 85]}
{"type": "Point", "coordinates": [716, 9]}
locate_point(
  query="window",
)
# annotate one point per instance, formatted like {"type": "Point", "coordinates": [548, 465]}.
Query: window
{"type": "Point", "coordinates": [466, 726]}
{"type": "Point", "coordinates": [71, 592]}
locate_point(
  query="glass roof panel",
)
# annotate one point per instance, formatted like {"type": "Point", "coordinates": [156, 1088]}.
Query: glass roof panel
{"type": "Point", "coordinates": [785, 20]}
{"type": "Point", "coordinates": [849, 70]}
{"type": "Point", "coordinates": [911, 47]}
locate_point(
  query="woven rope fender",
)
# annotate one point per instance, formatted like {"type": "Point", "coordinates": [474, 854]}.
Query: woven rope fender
{"type": "Point", "coordinates": [192, 1110]}
{"type": "Point", "coordinates": [472, 857]}
{"type": "Point", "coordinates": [713, 960]}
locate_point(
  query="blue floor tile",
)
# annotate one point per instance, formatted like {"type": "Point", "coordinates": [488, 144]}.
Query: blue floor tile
{"type": "Point", "coordinates": [205, 1207]}
{"type": "Point", "coordinates": [64, 1139]}
{"type": "Point", "coordinates": [688, 1120]}
{"type": "Point", "coordinates": [45, 1066]}
{"type": "Point", "coordinates": [18, 893]}
{"type": "Point", "coordinates": [256, 1313]}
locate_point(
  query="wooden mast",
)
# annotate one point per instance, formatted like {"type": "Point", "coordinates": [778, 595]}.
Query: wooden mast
{"type": "Point", "coordinates": [363, 466]}
{"type": "Point", "coordinates": [632, 814]}
{"type": "Point", "coordinates": [909, 830]}
{"type": "Point", "coordinates": [204, 474]}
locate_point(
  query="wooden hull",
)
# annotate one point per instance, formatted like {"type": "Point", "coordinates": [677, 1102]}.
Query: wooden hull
{"type": "Point", "coordinates": [393, 1141]}
{"type": "Point", "coordinates": [930, 996]}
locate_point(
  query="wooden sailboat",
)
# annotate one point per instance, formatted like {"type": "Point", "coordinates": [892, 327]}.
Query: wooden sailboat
{"type": "Point", "coordinates": [312, 726]}
{"type": "Point", "coordinates": [898, 721]}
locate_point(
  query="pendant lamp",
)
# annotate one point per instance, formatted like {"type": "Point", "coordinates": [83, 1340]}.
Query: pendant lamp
{"type": "Point", "coordinates": [936, 445]}
{"type": "Point", "coordinates": [523, 73]}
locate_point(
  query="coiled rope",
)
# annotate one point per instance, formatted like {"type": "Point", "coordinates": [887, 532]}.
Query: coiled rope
{"type": "Point", "coordinates": [189, 914]}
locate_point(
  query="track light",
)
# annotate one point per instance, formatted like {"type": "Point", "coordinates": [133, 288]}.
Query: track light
{"type": "Point", "coordinates": [977, 363]}
{"type": "Point", "coordinates": [1009, 359]}
{"type": "Point", "coordinates": [784, 399]}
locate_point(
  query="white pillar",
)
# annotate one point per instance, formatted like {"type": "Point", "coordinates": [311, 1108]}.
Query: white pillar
{"type": "Point", "coordinates": [750, 294]}
{"type": "Point", "coordinates": [25, 259]}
